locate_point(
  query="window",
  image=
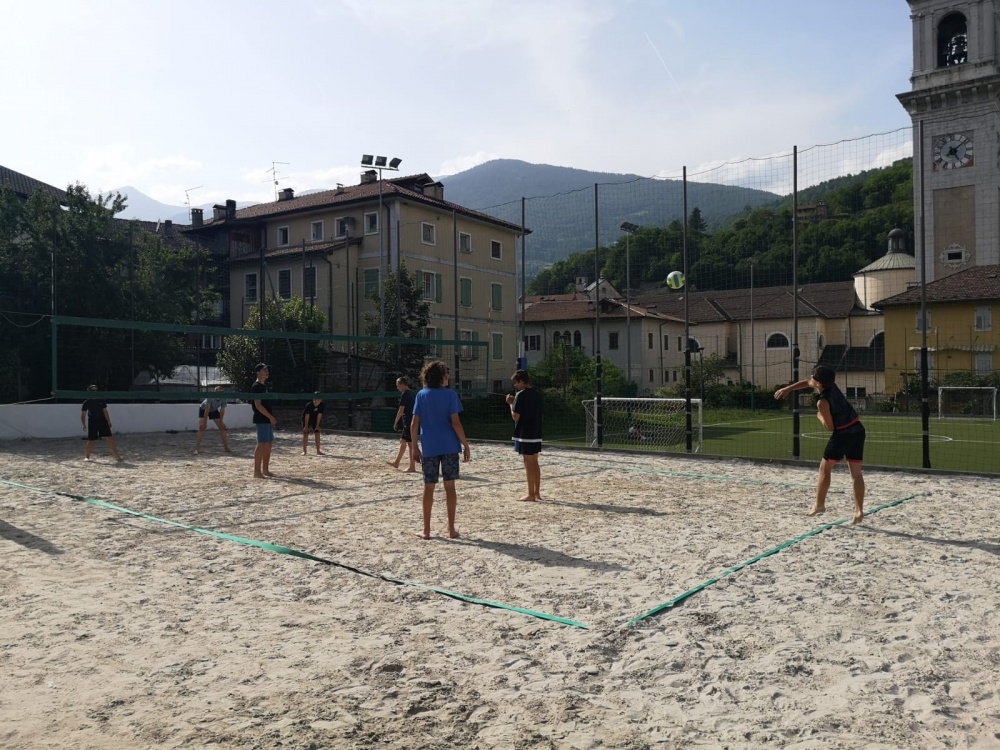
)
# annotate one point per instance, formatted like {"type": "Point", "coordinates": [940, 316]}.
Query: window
{"type": "Point", "coordinates": [282, 238]}
{"type": "Point", "coordinates": [613, 340]}
{"type": "Point", "coordinates": [464, 242]}
{"type": "Point", "coordinates": [496, 250]}
{"type": "Point", "coordinates": [984, 319]}
{"type": "Point", "coordinates": [431, 333]}
{"type": "Point", "coordinates": [666, 342]}
{"type": "Point", "coordinates": [211, 341]}
{"type": "Point", "coordinates": [465, 292]}
{"type": "Point", "coordinates": [577, 339]}
{"type": "Point", "coordinates": [432, 286]}
{"type": "Point", "coordinates": [680, 343]}
{"type": "Point", "coordinates": [309, 282]}
{"type": "Point", "coordinates": [499, 386]}
{"type": "Point", "coordinates": [533, 343]}
{"type": "Point", "coordinates": [342, 226]}
{"type": "Point", "coordinates": [371, 223]}
{"type": "Point", "coordinates": [428, 234]}
{"type": "Point", "coordinates": [285, 284]}
{"type": "Point", "coordinates": [675, 376]}
{"type": "Point", "coordinates": [952, 41]}
{"type": "Point", "coordinates": [856, 392]}
{"type": "Point", "coordinates": [496, 300]}
{"type": "Point", "coordinates": [555, 339]}
{"type": "Point", "coordinates": [925, 324]}
{"type": "Point", "coordinates": [777, 341]}
{"type": "Point", "coordinates": [316, 231]}
{"type": "Point", "coordinates": [651, 376]}
{"type": "Point", "coordinates": [250, 287]}
{"type": "Point", "coordinates": [497, 346]}
{"type": "Point", "coordinates": [371, 282]}
{"type": "Point", "coordinates": [649, 339]}
{"type": "Point", "coordinates": [984, 363]}
{"type": "Point", "coordinates": [466, 350]}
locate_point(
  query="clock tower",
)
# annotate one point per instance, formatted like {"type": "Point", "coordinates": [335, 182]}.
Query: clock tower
{"type": "Point", "coordinates": [956, 95]}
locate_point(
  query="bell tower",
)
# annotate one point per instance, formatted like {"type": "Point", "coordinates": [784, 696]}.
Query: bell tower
{"type": "Point", "coordinates": [955, 93]}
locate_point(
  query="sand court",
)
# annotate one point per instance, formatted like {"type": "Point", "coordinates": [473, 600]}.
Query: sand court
{"type": "Point", "coordinates": [136, 630]}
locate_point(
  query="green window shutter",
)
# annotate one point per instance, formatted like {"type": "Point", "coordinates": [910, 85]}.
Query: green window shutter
{"type": "Point", "coordinates": [497, 301]}
{"type": "Point", "coordinates": [475, 349]}
{"type": "Point", "coordinates": [466, 292]}
{"type": "Point", "coordinates": [438, 292]}
{"type": "Point", "coordinates": [497, 346]}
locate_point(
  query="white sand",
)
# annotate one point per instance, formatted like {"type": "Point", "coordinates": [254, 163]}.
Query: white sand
{"type": "Point", "coordinates": [118, 631]}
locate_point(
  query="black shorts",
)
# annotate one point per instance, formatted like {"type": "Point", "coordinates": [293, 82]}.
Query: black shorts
{"type": "Point", "coordinates": [97, 429]}
{"type": "Point", "coordinates": [848, 443]}
{"type": "Point", "coordinates": [527, 449]}
{"type": "Point", "coordinates": [310, 421]}
{"type": "Point", "coordinates": [211, 414]}
{"type": "Point", "coordinates": [404, 432]}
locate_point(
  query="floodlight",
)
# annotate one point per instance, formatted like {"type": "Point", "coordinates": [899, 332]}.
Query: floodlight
{"type": "Point", "coordinates": [629, 227]}
{"type": "Point", "coordinates": [394, 164]}
{"type": "Point", "coordinates": [380, 161]}
{"type": "Point", "coordinates": [366, 160]}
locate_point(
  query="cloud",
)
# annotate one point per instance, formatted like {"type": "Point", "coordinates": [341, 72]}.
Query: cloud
{"type": "Point", "coordinates": [462, 163]}
{"type": "Point", "coordinates": [115, 166]}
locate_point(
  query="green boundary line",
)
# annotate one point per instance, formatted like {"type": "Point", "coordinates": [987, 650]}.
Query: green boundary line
{"type": "Point", "coordinates": [306, 556]}
{"type": "Point", "coordinates": [785, 545]}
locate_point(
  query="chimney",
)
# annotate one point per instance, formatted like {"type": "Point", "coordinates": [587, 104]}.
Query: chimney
{"type": "Point", "coordinates": [286, 195]}
{"type": "Point", "coordinates": [369, 177]}
{"type": "Point", "coordinates": [218, 212]}
{"type": "Point", "coordinates": [168, 228]}
{"type": "Point", "coordinates": [434, 190]}
{"type": "Point", "coordinates": [197, 218]}
{"type": "Point", "coordinates": [230, 209]}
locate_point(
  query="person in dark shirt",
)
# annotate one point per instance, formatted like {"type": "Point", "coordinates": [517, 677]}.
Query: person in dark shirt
{"type": "Point", "coordinates": [264, 420]}
{"type": "Point", "coordinates": [847, 436]}
{"type": "Point", "coordinates": [404, 416]}
{"type": "Point", "coordinates": [312, 416]}
{"type": "Point", "coordinates": [526, 410]}
{"type": "Point", "coordinates": [98, 425]}
{"type": "Point", "coordinates": [214, 409]}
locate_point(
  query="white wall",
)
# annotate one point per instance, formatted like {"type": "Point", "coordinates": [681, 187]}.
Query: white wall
{"type": "Point", "coordinates": [19, 421]}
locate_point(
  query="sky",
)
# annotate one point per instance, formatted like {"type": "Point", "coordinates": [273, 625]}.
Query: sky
{"type": "Point", "coordinates": [198, 102]}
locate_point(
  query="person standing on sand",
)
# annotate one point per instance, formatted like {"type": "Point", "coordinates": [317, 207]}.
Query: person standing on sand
{"type": "Point", "coordinates": [265, 421]}
{"type": "Point", "coordinates": [97, 424]}
{"type": "Point", "coordinates": [847, 438]}
{"type": "Point", "coordinates": [526, 411]}
{"type": "Point", "coordinates": [312, 417]}
{"type": "Point", "coordinates": [214, 409]}
{"type": "Point", "coordinates": [404, 415]}
{"type": "Point", "coordinates": [437, 427]}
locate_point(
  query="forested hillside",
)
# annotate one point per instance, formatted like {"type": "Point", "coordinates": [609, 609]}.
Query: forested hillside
{"type": "Point", "coordinates": [846, 232]}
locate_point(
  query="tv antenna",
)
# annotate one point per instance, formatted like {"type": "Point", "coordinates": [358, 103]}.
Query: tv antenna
{"type": "Point", "coordinates": [273, 171]}
{"type": "Point", "coordinates": [187, 199]}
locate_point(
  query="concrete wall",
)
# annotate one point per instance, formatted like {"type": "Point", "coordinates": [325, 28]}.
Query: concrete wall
{"type": "Point", "coordinates": [19, 421]}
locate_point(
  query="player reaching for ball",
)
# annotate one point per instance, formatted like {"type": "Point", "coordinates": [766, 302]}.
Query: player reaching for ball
{"type": "Point", "coordinates": [847, 437]}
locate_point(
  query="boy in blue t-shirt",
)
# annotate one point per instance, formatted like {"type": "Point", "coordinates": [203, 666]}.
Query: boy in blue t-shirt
{"type": "Point", "coordinates": [437, 429]}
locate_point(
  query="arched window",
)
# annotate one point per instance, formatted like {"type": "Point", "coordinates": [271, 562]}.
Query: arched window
{"type": "Point", "coordinates": [777, 341]}
{"type": "Point", "coordinates": [566, 337]}
{"type": "Point", "coordinates": [555, 339]}
{"type": "Point", "coordinates": [878, 340]}
{"type": "Point", "coordinates": [952, 41]}
{"type": "Point", "coordinates": [577, 339]}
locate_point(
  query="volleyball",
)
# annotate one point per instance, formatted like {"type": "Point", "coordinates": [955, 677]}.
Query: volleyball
{"type": "Point", "coordinates": [675, 279]}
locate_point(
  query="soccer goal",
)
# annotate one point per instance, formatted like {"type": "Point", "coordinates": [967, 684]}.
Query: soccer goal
{"type": "Point", "coordinates": [655, 423]}
{"type": "Point", "coordinates": [967, 401]}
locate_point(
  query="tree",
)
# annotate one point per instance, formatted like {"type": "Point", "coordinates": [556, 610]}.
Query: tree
{"type": "Point", "coordinates": [568, 370]}
{"type": "Point", "coordinates": [295, 363]}
{"type": "Point", "coordinates": [401, 312]}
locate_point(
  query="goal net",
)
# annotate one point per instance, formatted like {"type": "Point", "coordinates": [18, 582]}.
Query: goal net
{"type": "Point", "coordinates": [645, 423]}
{"type": "Point", "coordinates": [967, 401]}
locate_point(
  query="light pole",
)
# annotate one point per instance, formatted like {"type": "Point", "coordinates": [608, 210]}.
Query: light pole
{"type": "Point", "coordinates": [628, 228]}
{"type": "Point", "coordinates": [379, 163]}
{"type": "Point", "coordinates": [753, 387]}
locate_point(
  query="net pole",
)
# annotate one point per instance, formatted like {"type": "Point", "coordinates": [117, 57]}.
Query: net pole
{"type": "Point", "coordinates": [796, 419]}
{"type": "Point", "coordinates": [598, 423]}
{"type": "Point", "coordinates": [925, 407]}
{"type": "Point", "coordinates": [687, 321]}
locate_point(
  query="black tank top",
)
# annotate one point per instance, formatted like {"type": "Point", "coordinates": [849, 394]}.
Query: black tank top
{"type": "Point", "coordinates": [841, 410]}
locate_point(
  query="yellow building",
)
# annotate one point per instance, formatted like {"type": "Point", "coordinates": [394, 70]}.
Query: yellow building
{"type": "Point", "coordinates": [959, 327]}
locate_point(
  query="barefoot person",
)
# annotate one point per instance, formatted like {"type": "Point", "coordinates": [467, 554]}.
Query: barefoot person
{"type": "Point", "coordinates": [404, 415]}
{"type": "Point", "coordinates": [214, 409]}
{"type": "Point", "coordinates": [526, 410]}
{"type": "Point", "coordinates": [312, 416]}
{"type": "Point", "coordinates": [97, 424]}
{"type": "Point", "coordinates": [847, 438]}
{"type": "Point", "coordinates": [437, 428]}
{"type": "Point", "coordinates": [264, 420]}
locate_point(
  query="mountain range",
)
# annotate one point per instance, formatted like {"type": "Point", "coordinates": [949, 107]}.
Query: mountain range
{"type": "Point", "coordinates": [559, 205]}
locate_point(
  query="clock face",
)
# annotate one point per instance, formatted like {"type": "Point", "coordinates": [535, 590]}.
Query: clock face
{"type": "Point", "coordinates": [953, 151]}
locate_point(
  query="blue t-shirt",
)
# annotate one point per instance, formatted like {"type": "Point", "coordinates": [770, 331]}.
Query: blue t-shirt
{"type": "Point", "coordinates": [435, 406]}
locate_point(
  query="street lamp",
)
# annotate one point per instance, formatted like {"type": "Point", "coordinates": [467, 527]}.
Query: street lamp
{"type": "Point", "coordinates": [753, 387]}
{"type": "Point", "coordinates": [379, 163]}
{"type": "Point", "coordinates": [628, 227]}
